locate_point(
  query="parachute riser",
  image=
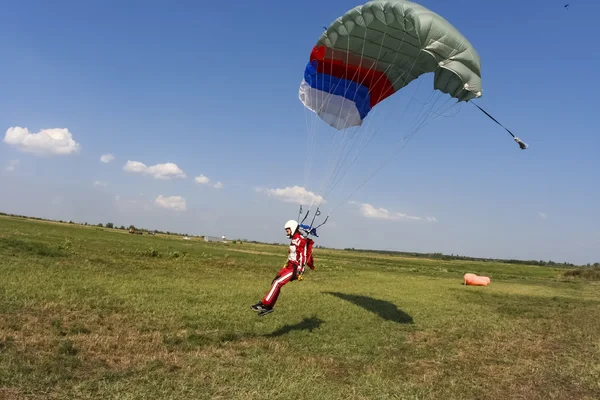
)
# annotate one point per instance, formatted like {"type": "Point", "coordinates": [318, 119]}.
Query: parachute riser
{"type": "Point", "coordinates": [324, 222]}
{"type": "Point", "coordinates": [521, 144]}
{"type": "Point", "coordinates": [305, 216]}
{"type": "Point", "coordinates": [317, 213]}
{"type": "Point", "coordinates": [309, 229]}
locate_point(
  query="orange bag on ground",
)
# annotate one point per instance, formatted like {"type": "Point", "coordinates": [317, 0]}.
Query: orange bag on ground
{"type": "Point", "coordinates": [474, 280]}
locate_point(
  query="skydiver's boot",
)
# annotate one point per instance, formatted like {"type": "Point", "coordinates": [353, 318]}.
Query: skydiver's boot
{"type": "Point", "coordinates": [265, 310]}
{"type": "Point", "coordinates": [258, 306]}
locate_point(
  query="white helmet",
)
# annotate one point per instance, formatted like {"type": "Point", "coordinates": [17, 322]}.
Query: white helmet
{"type": "Point", "coordinates": [293, 225]}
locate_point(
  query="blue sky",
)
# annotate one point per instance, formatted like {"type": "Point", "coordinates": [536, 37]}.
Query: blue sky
{"type": "Point", "coordinates": [202, 90]}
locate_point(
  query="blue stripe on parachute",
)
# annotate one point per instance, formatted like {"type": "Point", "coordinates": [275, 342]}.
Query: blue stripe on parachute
{"type": "Point", "coordinates": [352, 91]}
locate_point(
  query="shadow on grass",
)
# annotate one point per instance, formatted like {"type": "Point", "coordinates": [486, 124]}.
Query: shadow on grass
{"type": "Point", "coordinates": [307, 324]}
{"type": "Point", "coordinates": [384, 309]}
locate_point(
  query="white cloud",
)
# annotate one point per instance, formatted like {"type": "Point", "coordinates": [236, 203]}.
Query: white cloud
{"type": "Point", "coordinates": [12, 165]}
{"type": "Point", "coordinates": [100, 184]}
{"type": "Point", "coordinates": [47, 141]}
{"type": "Point", "coordinates": [166, 171]}
{"type": "Point", "coordinates": [293, 194]}
{"type": "Point", "coordinates": [158, 171]}
{"type": "Point", "coordinates": [142, 203]}
{"type": "Point", "coordinates": [176, 203]}
{"type": "Point", "coordinates": [106, 158]}
{"type": "Point", "coordinates": [542, 215]}
{"type": "Point", "coordinates": [135, 166]}
{"type": "Point", "coordinates": [203, 180]}
{"type": "Point", "coordinates": [369, 211]}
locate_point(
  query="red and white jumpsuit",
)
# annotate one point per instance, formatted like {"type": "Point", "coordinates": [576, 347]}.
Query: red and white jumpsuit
{"type": "Point", "coordinates": [295, 265]}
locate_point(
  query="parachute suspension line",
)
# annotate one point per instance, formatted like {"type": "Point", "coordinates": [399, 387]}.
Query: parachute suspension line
{"type": "Point", "coordinates": [407, 72]}
{"type": "Point", "coordinates": [421, 119]}
{"type": "Point", "coordinates": [409, 135]}
{"type": "Point", "coordinates": [403, 142]}
{"type": "Point", "coordinates": [367, 137]}
{"type": "Point", "coordinates": [312, 140]}
{"type": "Point", "coordinates": [349, 136]}
{"type": "Point", "coordinates": [313, 129]}
{"type": "Point", "coordinates": [344, 138]}
{"type": "Point", "coordinates": [339, 173]}
{"type": "Point", "coordinates": [349, 143]}
{"type": "Point", "coordinates": [309, 150]}
{"type": "Point", "coordinates": [419, 125]}
{"type": "Point", "coordinates": [335, 178]}
{"type": "Point", "coordinates": [324, 103]}
{"type": "Point", "coordinates": [521, 144]}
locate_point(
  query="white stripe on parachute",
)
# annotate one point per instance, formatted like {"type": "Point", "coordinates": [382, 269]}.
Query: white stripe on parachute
{"type": "Point", "coordinates": [337, 111]}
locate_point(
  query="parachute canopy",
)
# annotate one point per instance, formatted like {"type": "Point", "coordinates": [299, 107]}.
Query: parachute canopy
{"type": "Point", "coordinates": [376, 49]}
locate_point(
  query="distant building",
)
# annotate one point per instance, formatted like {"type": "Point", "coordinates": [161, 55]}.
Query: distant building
{"type": "Point", "coordinates": [214, 239]}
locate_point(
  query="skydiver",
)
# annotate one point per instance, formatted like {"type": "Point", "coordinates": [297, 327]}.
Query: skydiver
{"type": "Point", "coordinates": [299, 255]}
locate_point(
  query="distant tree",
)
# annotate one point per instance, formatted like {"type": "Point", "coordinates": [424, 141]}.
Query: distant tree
{"type": "Point", "coordinates": [122, 227]}
{"type": "Point", "coordinates": [99, 225]}
{"type": "Point", "coordinates": [110, 225]}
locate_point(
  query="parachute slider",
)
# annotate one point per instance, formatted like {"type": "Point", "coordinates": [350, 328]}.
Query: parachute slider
{"type": "Point", "coordinates": [309, 230]}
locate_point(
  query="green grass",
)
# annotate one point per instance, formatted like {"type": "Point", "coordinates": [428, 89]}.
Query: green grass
{"type": "Point", "coordinates": [96, 313]}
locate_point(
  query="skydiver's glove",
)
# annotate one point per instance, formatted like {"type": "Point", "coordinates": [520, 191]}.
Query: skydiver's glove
{"type": "Point", "coordinates": [300, 273]}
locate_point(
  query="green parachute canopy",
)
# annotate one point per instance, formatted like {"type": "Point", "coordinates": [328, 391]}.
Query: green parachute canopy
{"type": "Point", "coordinates": [376, 49]}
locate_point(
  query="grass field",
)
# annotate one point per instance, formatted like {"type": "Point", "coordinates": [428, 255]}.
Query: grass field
{"type": "Point", "coordinates": [96, 313]}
